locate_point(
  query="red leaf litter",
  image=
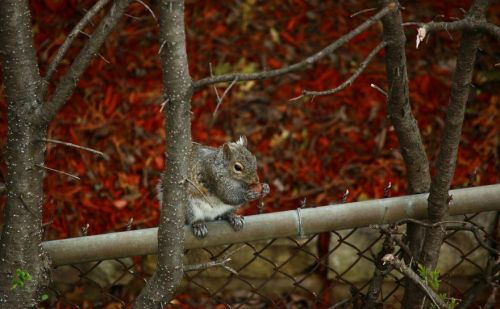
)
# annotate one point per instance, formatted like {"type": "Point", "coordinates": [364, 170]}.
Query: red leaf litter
{"type": "Point", "coordinates": [313, 149]}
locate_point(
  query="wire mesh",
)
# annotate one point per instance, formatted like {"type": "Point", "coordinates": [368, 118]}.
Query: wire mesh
{"type": "Point", "coordinates": [327, 270]}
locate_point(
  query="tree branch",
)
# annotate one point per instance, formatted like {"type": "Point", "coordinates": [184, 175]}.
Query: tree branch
{"type": "Point", "coordinates": [21, 237]}
{"type": "Point", "coordinates": [391, 7]}
{"type": "Point", "coordinates": [406, 128]}
{"type": "Point", "coordinates": [161, 287]}
{"type": "Point", "coordinates": [57, 171]}
{"type": "Point", "coordinates": [381, 270]}
{"type": "Point", "coordinates": [348, 82]}
{"type": "Point", "coordinates": [459, 25]}
{"type": "Point", "coordinates": [461, 226]}
{"type": "Point", "coordinates": [446, 161]}
{"type": "Point", "coordinates": [69, 39]}
{"type": "Point", "coordinates": [389, 232]}
{"type": "Point", "coordinates": [411, 275]}
{"type": "Point", "coordinates": [68, 82]}
{"type": "Point", "coordinates": [53, 141]}
{"type": "Point", "coordinates": [217, 263]}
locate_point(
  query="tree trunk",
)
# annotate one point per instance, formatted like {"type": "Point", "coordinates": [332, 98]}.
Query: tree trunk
{"type": "Point", "coordinates": [405, 125]}
{"type": "Point", "coordinates": [178, 90]}
{"type": "Point", "coordinates": [28, 118]}
{"type": "Point", "coordinates": [446, 162]}
{"type": "Point", "coordinates": [20, 245]}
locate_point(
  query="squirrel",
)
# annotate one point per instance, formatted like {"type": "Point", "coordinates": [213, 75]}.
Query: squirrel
{"type": "Point", "coordinates": [220, 180]}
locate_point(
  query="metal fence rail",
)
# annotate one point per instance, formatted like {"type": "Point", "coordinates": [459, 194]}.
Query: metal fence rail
{"type": "Point", "coordinates": [272, 225]}
{"type": "Point", "coordinates": [328, 268]}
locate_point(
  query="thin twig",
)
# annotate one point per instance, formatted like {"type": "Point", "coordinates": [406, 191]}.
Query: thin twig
{"type": "Point", "coordinates": [411, 275]}
{"type": "Point", "coordinates": [460, 25]}
{"type": "Point", "coordinates": [474, 230]}
{"type": "Point", "coordinates": [219, 100]}
{"type": "Point", "coordinates": [161, 47]}
{"type": "Point", "coordinates": [53, 141]}
{"type": "Point", "coordinates": [69, 39]}
{"type": "Point", "coordinates": [348, 82]}
{"type": "Point", "coordinates": [103, 58]}
{"type": "Point", "coordinates": [362, 11]}
{"type": "Point", "coordinates": [214, 87]}
{"type": "Point", "coordinates": [376, 87]}
{"type": "Point", "coordinates": [396, 239]}
{"type": "Point", "coordinates": [163, 104]}
{"type": "Point", "coordinates": [299, 65]}
{"type": "Point", "coordinates": [57, 171]}
{"type": "Point", "coordinates": [341, 303]}
{"type": "Point", "coordinates": [147, 8]}
{"type": "Point", "coordinates": [46, 112]}
{"type": "Point", "coordinates": [84, 33]}
{"type": "Point", "coordinates": [220, 262]}
{"type": "Point", "coordinates": [462, 226]}
{"type": "Point", "coordinates": [210, 264]}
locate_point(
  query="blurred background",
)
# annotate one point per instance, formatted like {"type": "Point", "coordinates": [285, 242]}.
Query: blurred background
{"type": "Point", "coordinates": [309, 151]}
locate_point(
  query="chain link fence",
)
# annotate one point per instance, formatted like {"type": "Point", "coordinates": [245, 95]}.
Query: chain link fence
{"type": "Point", "coordinates": [326, 270]}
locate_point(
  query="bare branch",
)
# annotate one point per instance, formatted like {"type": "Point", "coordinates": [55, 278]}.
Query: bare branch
{"type": "Point", "coordinates": [411, 275]}
{"type": "Point", "coordinates": [69, 39]}
{"type": "Point", "coordinates": [178, 90]}
{"type": "Point", "coordinates": [447, 157]}
{"type": "Point", "coordinates": [341, 303]}
{"type": "Point", "coordinates": [400, 114]}
{"type": "Point", "coordinates": [221, 261]}
{"type": "Point", "coordinates": [219, 100]}
{"type": "Point", "coordinates": [147, 8]}
{"type": "Point", "coordinates": [392, 235]}
{"type": "Point", "coordinates": [379, 89]}
{"type": "Point", "coordinates": [461, 226]}
{"type": "Point", "coordinates": [57, 171]}
{"type": "Point", "coordinates": [348, 82]}
{"type": "Point", "coordinates": [460, 25]}
{"type": "Point", "coordinates": [68, 82]}
{"type": "Point", "coordinates": [49, 140]}
{"type": "Point", "coordinates": [362, 12]}
{"type": "Point", "coordinates": [381, 270]}
{"type": "Point", "coordinates": [217, 263]}
{"type": "Point", "coordinates": [299, 65]}
{"type": "Point", "coordinates": [163, 104]}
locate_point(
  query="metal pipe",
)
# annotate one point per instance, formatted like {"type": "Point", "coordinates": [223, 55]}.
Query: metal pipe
{"type": "Point", "coordinates": [272, 225]}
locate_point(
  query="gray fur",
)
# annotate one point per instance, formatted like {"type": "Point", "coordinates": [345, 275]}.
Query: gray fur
{"type": "Point", "coordinates": [216, 187]}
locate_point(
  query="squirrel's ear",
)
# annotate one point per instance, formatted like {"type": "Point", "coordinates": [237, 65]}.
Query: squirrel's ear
{"type": "Point", "coordinates": [226, 150]}
{"type": "Point", "coordinates": [242, 141]}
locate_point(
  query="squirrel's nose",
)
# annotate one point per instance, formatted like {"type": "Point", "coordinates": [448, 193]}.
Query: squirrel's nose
{"type": "Point", "coordinates": [255, 179]}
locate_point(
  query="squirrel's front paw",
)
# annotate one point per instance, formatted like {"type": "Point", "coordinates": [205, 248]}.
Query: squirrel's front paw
{"type": "Point", "coordinates": [265, 189]}
{"type": "Point", "coordinates": [236, 222]}
{"type": "Point", "coordinates": [251, 195]}
{"type": "Point", "coordinates": [199, 229]}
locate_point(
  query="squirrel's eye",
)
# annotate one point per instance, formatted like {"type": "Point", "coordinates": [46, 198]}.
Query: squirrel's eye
{"type": "Point", "coordinates": [238, 167]}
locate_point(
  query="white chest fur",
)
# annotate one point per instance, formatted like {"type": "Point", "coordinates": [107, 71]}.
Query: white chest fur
{"type": "Point", "coordinates": [208, 208]}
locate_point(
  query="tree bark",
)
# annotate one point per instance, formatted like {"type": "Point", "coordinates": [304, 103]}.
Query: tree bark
{"type": "Point", "coordinates": [20, 245]}
{"type": "Point", "coordinates": [68, 82]}
{"type": "Point", "coordinates": [438, 198]}
{"type": "Point", "coordinates": [405, 126]}
{"type": "Point", "coordinates": [447, 157]}
{"type": "Point", "coordinates": [28, 118]}
{"type": "Point", "coordinates": [178, 90]}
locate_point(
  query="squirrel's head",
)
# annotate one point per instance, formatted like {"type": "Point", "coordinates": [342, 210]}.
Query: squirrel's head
{"type": "Point", "coordinates": [240, 162]}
